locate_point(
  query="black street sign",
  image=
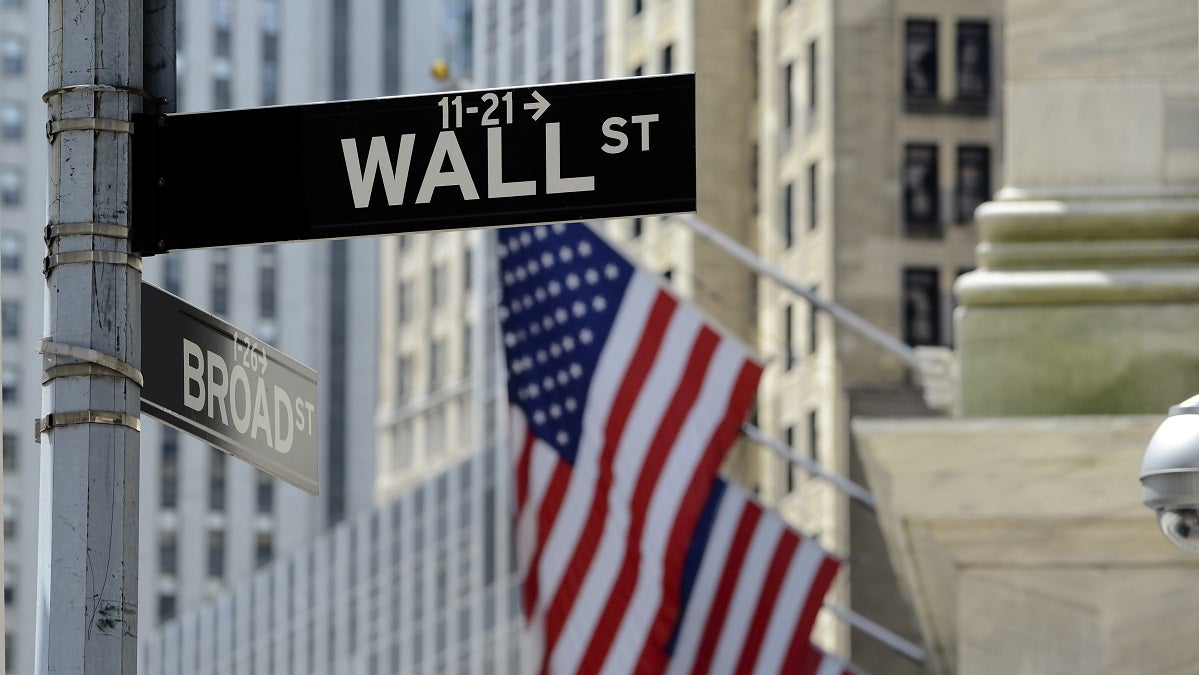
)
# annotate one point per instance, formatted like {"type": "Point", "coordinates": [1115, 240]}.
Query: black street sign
{"type": "Point", "coordinates": [229, 389]}
{"type": "Point", "coordinates": [482, 158]}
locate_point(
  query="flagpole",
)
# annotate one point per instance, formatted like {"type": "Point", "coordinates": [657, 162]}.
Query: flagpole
{"type": "Point", "coordinates": [885, 340]}
{"type": "Point", "coordinates": [850, 488]}
{"type": "Point", "coordinates": [906, 647]}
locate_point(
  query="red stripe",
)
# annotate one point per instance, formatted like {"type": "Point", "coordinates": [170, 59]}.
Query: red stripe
{"type": "Point", "coordinates": [724, 592]}
{"type": "Point", "coordinates": [546, 515]}
{"type": "Point", "coordinates": [588, 543]}
{"type": "Point", "coordinates": [802, 637]}
{"type": "Point", "coordinates": [673, 418]}
{"type": "Point", "coordinates": [783, 552]}
{"type": "Point", "coordinates": [653, 657]}
{"type": "Point", "coordinates": [806, 662]}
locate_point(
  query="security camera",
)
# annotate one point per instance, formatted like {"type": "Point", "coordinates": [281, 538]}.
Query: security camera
{"type": "Point", "coordinates": [1170, 475]}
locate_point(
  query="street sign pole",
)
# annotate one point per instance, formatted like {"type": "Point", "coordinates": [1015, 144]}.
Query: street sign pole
{"type": "Point", "coordinates": [88, 503]}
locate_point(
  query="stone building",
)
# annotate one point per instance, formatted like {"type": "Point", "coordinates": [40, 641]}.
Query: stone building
{"type": "Point", "coordinates": [1016, 528]}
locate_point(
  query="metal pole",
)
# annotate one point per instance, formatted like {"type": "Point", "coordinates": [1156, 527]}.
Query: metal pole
{"type": "Point", "coordinates": [846, 486]}
{"type": "Point", "coordinates": [88, 506]}
{"type": "Point", "coordinates": [838, 312]}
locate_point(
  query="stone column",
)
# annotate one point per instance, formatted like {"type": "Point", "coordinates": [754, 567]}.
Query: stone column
{"type": "Point", "coordinates": [1086, 297]}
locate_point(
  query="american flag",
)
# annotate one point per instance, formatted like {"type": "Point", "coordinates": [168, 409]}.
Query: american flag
{"type": "Point", "coordinates": [751, 592]}
{"type": "Point", "coordinates": [623, 403]}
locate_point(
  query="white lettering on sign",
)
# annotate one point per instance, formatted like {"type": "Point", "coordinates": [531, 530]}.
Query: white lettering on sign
{"type": "Point", "coordinates": [394, 174]}
{"type": "Point", "coordinates": [611, 129]}
{"type": "Point", "coordinates": [230, 396]}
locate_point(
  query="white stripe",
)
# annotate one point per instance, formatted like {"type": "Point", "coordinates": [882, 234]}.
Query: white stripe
{"type": "Point", "coordinates": [542, 463]}
{"type": "Point", "coordinates": [644, 419]}
{"type": "Point", "coordinates": [793, 595]}
{"type": "Point", "coordinates": [694, 437]}
{"type": "Point", "coordinates": [707, 580]}
{"type": "Point", "coordinates": [831, 665]}
{"type": "Point", "coordinates": [609, 372]}
{"type": "Point", "coordinates": [746, 594]}
{"type": "Point", "coordinates": [518, 424]}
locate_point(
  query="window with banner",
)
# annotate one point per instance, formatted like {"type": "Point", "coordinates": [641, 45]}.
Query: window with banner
{"type": "Point", "coordinates": [973, 61]}
{"type": "Point", "coordinates": [921, 306]}
{"type": "Point", "coordinates": [920, 59]}
{"type": "Point", "coordinates": [921, 191]}
{"type": "Point", "coordinates": [973, 185]}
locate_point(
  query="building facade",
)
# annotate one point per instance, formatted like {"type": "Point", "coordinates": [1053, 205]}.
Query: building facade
{"type": "Point", "coordinates": [23, 170]}
{"type": "Point", "coordinates": [441, 370]}
{"type": "Point", "coordinates": [422, 583]}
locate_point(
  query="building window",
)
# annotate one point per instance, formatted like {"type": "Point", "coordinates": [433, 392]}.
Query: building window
{"type": "Point", "coordinates": [788, 336]}
{"type": "Point", "coordinates": [404, 301]}
{"type": "Point", "coordinates": [268, 301]}
{"type": "Point", "coordinates": [787, 216]}
{"type": "Point", "coordinates": [168, 493]}
{"type": "Point", "coordinates": [813, 435]}
{"type": "Point", "coordinates": [10, 520]}
{"type": "Point", "coordinates": [921, 185]}
{"type": "Point", "coordinates": [220, 282]}
{"type": "Point", "coordinates": [216, 481]}
{"type": "Point", "coordinates": [12, 186]}
{"type": "Point", "coordinates": [974, 61]}
{"type": "Point", "coordinates": [668, 59]}
{"type": "Point", "coordinates": [12, 120]}
{"type": "Point", "coordinates": [813, 195]}
{"type": "Point", "coordinates": [436, 364]}
{"type": "Point", "coordinates": [403, 377]}
{"type": "Point", "coordinates": [11, 383]}
{"type": "Point", "coordinates": [813, 325]}
{"type": "Point", "coordinates": [468, 332]}
{"type": "Point", "coordinates": [973, 180]}
{"type": "Point", "coordinates": [813, 78]}
{"type": "Point", "coordinates": [10, 318]}
{"type": "Point", "coordinates": [264, 491]}
{"type": "Point", "coordinates": [166, 607]}
{"type": "Point", "coordinates": [11, 452]}
{"type": "Point", "coordinates": [636, 227]}
{"type": "Point", "coordinates": [788, 470]}
{"type": "Point", "coordinates": [637, 7]}
{"type": "Point", "coordinates": [437, 286]}
{"type": "Point", "coordinates": [12, 55]}
{"type": "Point", "coordinates": [920, 59]}
{"type": "Point", "coordinates": [269, 24]}
{"type": "Point", "coordinates": [10, 592]}
{"type": "Point", "coordinates": [264, 548]}
{"type": "Point", "coordinates": [921, 306]}
{"type": "Point", "coordinates": [172, 274]}
{"type": "Point", "coordinates": [216, 553]}
{"type": "Point", "coordinates": [168, 552]}
{"type": "Point", "coordinates": [468, 273]}
{"type": "Point", "coordinates": [10, 251]}
{"type": "Point", "coordinates": [788, 99]}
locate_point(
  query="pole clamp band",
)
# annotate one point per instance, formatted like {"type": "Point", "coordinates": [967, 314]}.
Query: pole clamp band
{"type": "Point", "coordinates": [74, 257]}
{"type": "Point", "coordinates": [54, 127]}
{"type": "Point", "coordinates": [65, 419]}
{"type": "Point", "coordinates": [96, 88]}
{"type": "Point", "coordinates": [117, 367]}
{"type": "Point", "coordinates": [110, 230]}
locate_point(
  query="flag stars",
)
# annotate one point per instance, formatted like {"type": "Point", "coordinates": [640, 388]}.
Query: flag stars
{"type": "Point", "coordinates": [562, 437]}
{"type": "Point", "coordinates": [547, 260]}
{"type": "Point", "coordinates": [572, 281]}
{"type": "Point", "coordinates": [576, 370]}
{"type": "Point", "coordinates": [509, 278]}
{"type": "Point", "coordinates": [565, 254]}
{"type": "Point", "coordinates": [526, 238]}
{"type": "Point", "coordinates": [539, 416]}
{"type": "Point", "coordinates": [584, 248]}
{"type": "Point", "coordinates": [563, 377]}
{"type": "Point", "coordinates": [520, 274]}
{"type": "Point", "coordinates": [555, 350]}
{"type": "Point", "coordinates": [611, 271]}
{"type": "Point", "coordinates": [571, 404]}
{"type": "Point", "coordinates": [599, 303]}
{"type": "Point", "coordinates": [555, 288]}
{"type": "Point", "coordinates": [539, 294]}
{"type": "Point", "coordinates": [579, 308]}
{"type": "Point", "coordinates": [561, 315]}
{"type": "Point", "coordinates": [586, 336]}
{"type": "Point", "coordinates": [555, 411]}
{"type": "Point", "coordinates": [533, 267]}
{"type": "Point", "coordinates": [541, 232]}
{"type": "Point", "coordinates": [568, 343]}
{"type": "Point", "coordinates": [592, 276]}
{"type": "Point", "coordinates": [542, 357]}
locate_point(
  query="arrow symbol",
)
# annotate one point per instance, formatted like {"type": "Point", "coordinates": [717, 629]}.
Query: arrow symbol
{"type": "Point", "coordinates": [541, 105]}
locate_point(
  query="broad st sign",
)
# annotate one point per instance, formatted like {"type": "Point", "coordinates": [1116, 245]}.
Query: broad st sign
{"type": "Point", "coordinates": [229, 389]}
{"type": "Point", "coordinates": [484, 158]}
